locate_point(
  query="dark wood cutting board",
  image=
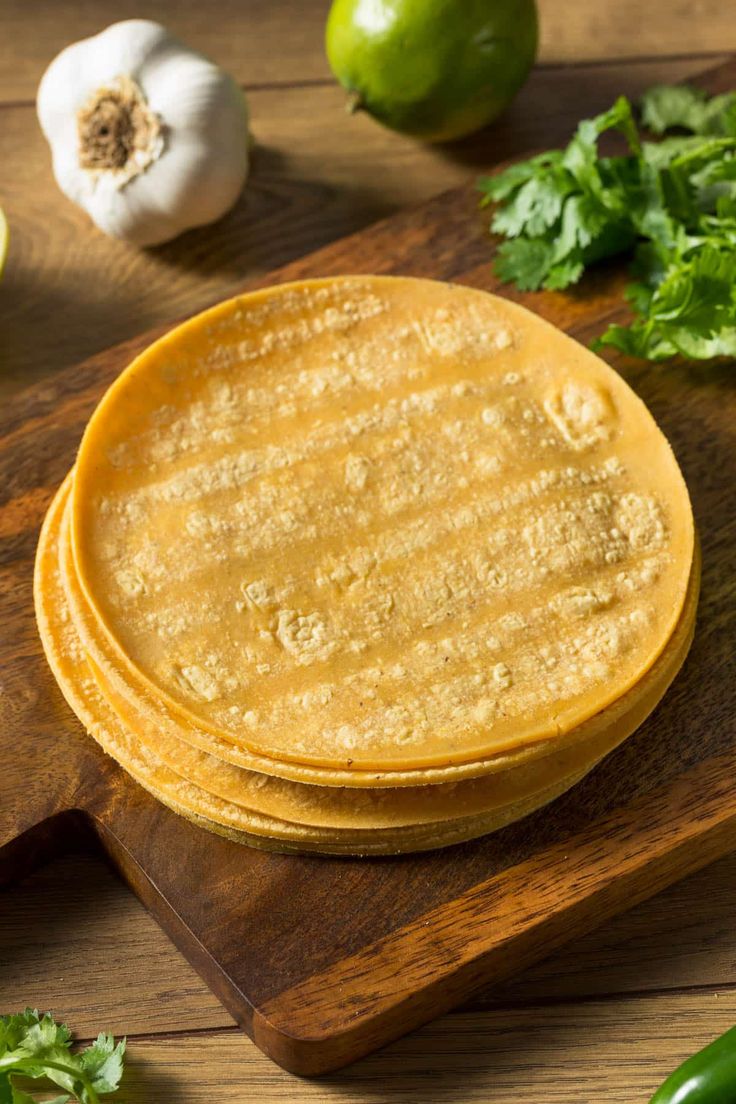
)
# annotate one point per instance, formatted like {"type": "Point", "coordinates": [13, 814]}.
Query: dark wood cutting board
{"type": "Point", "coordinates": [322, 960]}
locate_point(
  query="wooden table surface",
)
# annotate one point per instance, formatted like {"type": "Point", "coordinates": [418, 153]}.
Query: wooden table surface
{"type": "Point", "coordinates": [607, 1018]}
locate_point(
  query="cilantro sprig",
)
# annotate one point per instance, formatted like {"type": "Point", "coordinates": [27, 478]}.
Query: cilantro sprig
{"type": "Point", "coordinates": [671, 204]}
{"type": "Point", "coordinates": [33, 1046]}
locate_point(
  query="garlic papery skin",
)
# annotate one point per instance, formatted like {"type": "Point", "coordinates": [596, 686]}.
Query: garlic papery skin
{"type": "Point", "coordinates": [148, 136]}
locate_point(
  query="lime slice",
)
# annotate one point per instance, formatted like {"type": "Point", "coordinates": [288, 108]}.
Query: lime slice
{"type": "Point", "coordinates": [4, 235]}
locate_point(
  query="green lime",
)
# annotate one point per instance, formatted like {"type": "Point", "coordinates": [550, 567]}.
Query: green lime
{"type": "Point", "coordinates": [4, 235]}
{"type": "Point", "coordinates": [435, 69]}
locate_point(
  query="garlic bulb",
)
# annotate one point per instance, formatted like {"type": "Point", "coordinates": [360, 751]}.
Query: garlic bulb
{"type": "Point", "coordinates": [146, 135]}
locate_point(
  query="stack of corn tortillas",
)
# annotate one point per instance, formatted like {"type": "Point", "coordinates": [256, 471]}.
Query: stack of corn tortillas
{"type": "Point", "coordinates": [366, 565]}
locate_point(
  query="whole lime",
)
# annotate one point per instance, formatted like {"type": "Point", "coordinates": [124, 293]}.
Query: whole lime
{"type": "Point", "coordinates": [435, 69]}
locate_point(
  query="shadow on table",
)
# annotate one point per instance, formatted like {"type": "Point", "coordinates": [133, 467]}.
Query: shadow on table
{"type": "Point", "coordinates": [279, 217]}
{"type": "Point", "coordinates": [542, 115]}
{"type": "Point", "coordinates": [145, 1081]}
{"type": "Point", "coordinates": [509, 1056]}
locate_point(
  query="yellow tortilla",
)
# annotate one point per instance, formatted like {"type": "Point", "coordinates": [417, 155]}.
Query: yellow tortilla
{"type": "Point", "coordinates": [379, 524]}
{"type": "Point", "coordinates": [132, 698]}
{"type": "Point", "coordinates": [260, 809]}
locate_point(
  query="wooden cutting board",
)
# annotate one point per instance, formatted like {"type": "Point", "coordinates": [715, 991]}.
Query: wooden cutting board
{"type": "Point", "coordinates": [322, 960]}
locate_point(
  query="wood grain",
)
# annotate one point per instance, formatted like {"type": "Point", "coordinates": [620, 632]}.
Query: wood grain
{"type": "Point", "coordinates": [282, 43]}
{"type": "Point", "coordinates": [106, 962]}
{"type": "Point", "coordinates": [109, 964]}
{"type": "Point", "coordinates": [103, 960]}
{"type": "Point", "coordinates": [318, 174]}
{"type": "Point", "coordinates": [561, 1054]}
{"type": "Point", "coordinates": [404, 939]}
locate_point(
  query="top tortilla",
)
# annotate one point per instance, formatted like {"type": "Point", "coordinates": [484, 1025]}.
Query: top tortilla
{"type": "Point", "coordinates": [379, 523]}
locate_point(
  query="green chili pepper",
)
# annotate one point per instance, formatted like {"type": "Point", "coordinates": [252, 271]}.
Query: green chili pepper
{"type": "Point", "coordinates": [709, 1077]}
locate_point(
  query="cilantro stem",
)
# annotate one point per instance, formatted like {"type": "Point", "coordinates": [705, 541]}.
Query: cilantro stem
{"type": "Point", "coordinates": [18, 1065]}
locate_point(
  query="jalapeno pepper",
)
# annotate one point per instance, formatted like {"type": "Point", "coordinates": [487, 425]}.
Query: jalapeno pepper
{"type": "Point", "coordinates": [709, 1077]}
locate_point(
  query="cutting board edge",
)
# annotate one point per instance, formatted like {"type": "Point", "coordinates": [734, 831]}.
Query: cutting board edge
{"type": "Point", "coordinates": [181, 935]}
{"type": "Point", "coordinates": [300, 1050]}
{"type": "Point", "coordinates": [284, 1027]}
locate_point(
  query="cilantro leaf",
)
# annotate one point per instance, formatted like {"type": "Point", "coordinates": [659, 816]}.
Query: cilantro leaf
{"type": "Point", "coordinates": [36, 1046]}
{"type": "Point", "coordinates": [11, 1094]}
{"type": "Point", "coordinates": [583, 220]}
{"type": "Point", "coordinates": [691, 310]}
{"type": "Point", "coordinates": [565, 207]}
{"type": "Point", "coordinates": [671, 203]}
{"type": "Point", "coordinates": [103, 1063]}
{"type": "Point", "coordinates": [534, 208]}
{"type": "Point", "coordinates": [524, 262]}
{"type": "Point", "coordinates": [667, 107]}
{"type": "Point", "coordinates": [581, 156]}
{"type": "Point", "coordinates": [565, 272]}
{"type": "Point", "coordinates": [503, 184]}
